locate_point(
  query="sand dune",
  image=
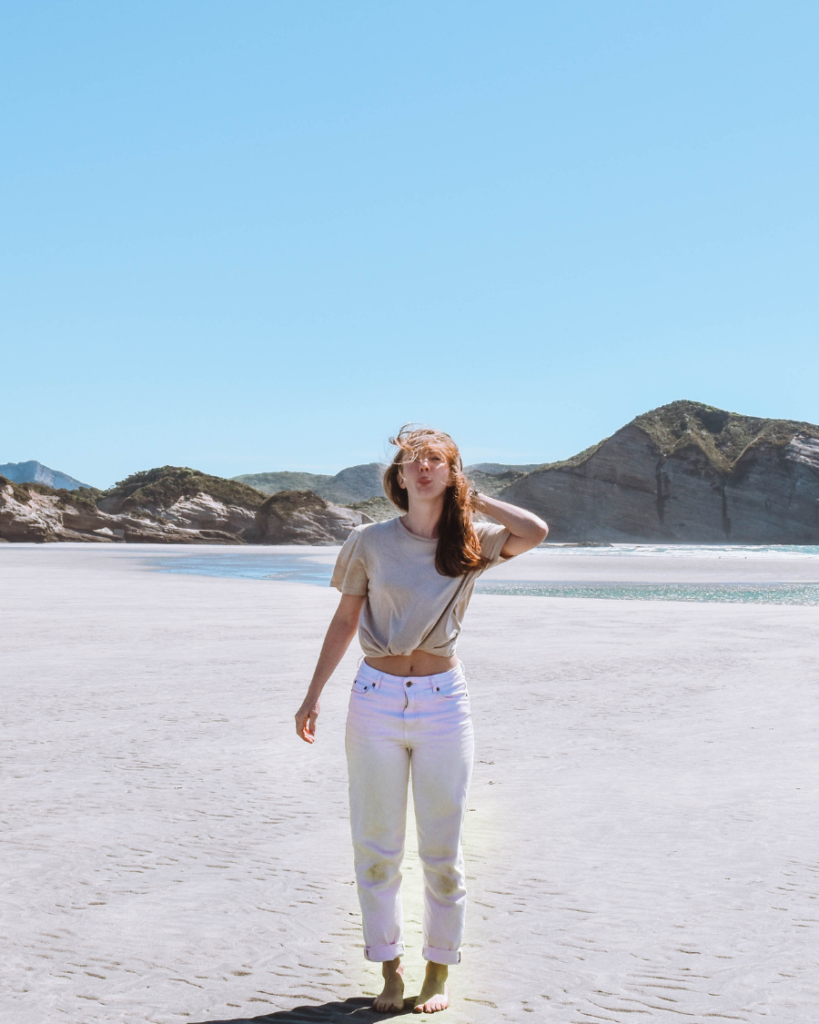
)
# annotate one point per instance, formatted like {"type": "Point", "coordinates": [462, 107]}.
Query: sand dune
{"type": "Point", "coordinates": [641, 838]}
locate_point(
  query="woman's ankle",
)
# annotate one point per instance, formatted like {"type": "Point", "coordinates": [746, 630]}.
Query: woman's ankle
{"type": "Point", "coordinates": [441, 970]}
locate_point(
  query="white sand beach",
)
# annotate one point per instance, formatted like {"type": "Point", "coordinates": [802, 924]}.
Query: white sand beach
{"type": "Point", "coordinates": [641, 839]}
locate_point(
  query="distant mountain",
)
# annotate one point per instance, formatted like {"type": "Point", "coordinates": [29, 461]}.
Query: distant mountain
{"type": "Point", "coordinates": [36, 473]}
{"type": "Point", "coordinates": [360, 483]}
{"type": "Point", "coordinates": [273, 483]}
{"type": "Point", "coordinates": [684, 473]}
{"type": "Point", "coordinates": [356, 483]}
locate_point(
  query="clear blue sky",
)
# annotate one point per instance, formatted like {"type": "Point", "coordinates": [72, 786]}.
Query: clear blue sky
{"type": "Point", "coordinates": [247, 236]}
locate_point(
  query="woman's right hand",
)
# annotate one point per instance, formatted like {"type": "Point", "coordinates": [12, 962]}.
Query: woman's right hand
{"type": "Point", "coordinates": [306, 720]}
{"type": "Point", "coordinates": [340, 632]}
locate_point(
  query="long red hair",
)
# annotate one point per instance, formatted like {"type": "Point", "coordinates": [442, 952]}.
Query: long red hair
{"type": "Point", "coordinates": [459, 549]}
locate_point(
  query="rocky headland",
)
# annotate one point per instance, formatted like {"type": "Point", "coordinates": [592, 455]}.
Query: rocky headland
{"type": "Point", "coordinates": [684, 473]}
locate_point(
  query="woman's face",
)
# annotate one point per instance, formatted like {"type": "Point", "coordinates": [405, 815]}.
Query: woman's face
{"type": "Point", "coordinates": [427, 476]}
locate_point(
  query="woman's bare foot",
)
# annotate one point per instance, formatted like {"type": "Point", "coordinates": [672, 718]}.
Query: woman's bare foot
{"type": "Point", "coordinates": [435, 991]}
{"type": "Point", "coordinates": [392, 995]}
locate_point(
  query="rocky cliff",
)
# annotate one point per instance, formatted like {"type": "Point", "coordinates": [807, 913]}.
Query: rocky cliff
{"type": "Point", "coordinates": [169, 505]}
{"type": "Point", "coordinates": [301, 517]}
{"type": "Point", "coordinates": [684, 473]}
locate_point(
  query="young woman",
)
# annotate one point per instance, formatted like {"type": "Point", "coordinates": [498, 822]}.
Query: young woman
{"type": "Point", "coordinates": [405, 585]}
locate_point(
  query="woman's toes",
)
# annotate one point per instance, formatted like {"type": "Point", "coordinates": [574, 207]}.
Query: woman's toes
{"type": "Point", "coordinates": [439, 1001]}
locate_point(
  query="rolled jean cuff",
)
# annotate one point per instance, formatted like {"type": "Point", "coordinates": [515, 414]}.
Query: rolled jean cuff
{"type": "Point", "coordinates": [379, 954]}
{"type": "Point", "coordinates": [441, 956]}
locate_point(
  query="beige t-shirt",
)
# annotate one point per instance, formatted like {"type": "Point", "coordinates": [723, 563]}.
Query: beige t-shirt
{"type": "Point", "coordinates": [410, 605]}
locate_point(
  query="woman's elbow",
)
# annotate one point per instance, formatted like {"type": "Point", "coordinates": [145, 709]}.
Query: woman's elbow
{"type": "Point", "coordinates": [535, 533]}
{"type": "Point", "coordinates": [539, 530]}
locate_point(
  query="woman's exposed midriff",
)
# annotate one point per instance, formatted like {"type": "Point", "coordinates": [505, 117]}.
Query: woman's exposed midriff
{"type": "Point", "coordinates": [419, 663]}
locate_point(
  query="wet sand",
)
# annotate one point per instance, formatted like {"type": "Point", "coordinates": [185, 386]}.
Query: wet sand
{"type": "Point", "coordinates": [641, 838]}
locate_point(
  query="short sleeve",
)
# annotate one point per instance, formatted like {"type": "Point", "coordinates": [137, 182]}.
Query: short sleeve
{"type": "Point", "coordinates": [350, 573]}
{"type": "Point", "coordinates": [492, 537]}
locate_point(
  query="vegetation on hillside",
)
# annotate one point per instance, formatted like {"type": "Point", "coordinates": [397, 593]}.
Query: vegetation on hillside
{"type": "Point", "coordinates": [494, 482]}
{"type": "Point", "coordinates": [20, 492]}
{"type": "Point", "coordinates": [83, 497]}
{"type": "Point", "coordinates": [722, 436]}
{"type": "Point", "coordinates": [574, 460]}
{"type": "Point", "coordinates": [164, 486]}
{"type": "Point", "coordinates": [285, 503]}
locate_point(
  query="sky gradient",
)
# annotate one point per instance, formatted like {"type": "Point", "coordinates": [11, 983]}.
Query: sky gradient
{"type": "Point", "coordinates": [256, 236]}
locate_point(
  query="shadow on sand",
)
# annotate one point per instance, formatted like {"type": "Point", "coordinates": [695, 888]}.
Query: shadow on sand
{"type": "Point", "coordinates": [358, 1010]}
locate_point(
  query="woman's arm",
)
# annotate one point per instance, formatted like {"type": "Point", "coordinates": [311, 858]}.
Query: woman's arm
{"type": "Point", "coordinates": [340, 632]}
{"type": "Point", "coordinates": [526, 528]}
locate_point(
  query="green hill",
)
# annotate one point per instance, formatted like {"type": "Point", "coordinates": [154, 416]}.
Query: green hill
{"type": "Point", "coordinates": [273, 483]}
{"type": "Point", "coordinates": [165, 485]}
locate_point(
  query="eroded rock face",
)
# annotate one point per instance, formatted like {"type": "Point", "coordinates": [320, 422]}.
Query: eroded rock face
{"type": "Point", "coordinates": [630, 490]}
{"type": "Point", "coordinates": [36, 520]}
{"type": "Point", "coordinates": [772, 495]}
{"type": "Point", "coordinates": [287, 518]}
{"type": "Point", "coordinates": [201, 513]}
{"type": "Point", "coordinates": [48, 517]}
{"type": "Point", "coordinates": [301, 517]}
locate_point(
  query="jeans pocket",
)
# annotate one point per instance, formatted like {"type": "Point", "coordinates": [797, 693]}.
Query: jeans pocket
{"type": "Point", "coordinates": [360, 686]}
{"type": "Point", "coordinates": [454, 690]}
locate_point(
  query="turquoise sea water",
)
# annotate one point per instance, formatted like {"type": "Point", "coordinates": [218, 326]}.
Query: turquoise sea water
{"type": "Point", "coordinates": [246, 565]}
{"type": "Point", "coordinates": [690, 550]}
{"type": "Point", "coordinates": [724, 593]}
{"type": "Point", "coordinates": [262, 565]}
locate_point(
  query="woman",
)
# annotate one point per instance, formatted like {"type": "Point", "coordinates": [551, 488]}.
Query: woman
{"type": "Point", "coordinates": [405, 585]}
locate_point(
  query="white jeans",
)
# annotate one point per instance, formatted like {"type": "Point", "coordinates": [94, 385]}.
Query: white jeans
{"type": "Point", "coordinates": [395, 722]}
